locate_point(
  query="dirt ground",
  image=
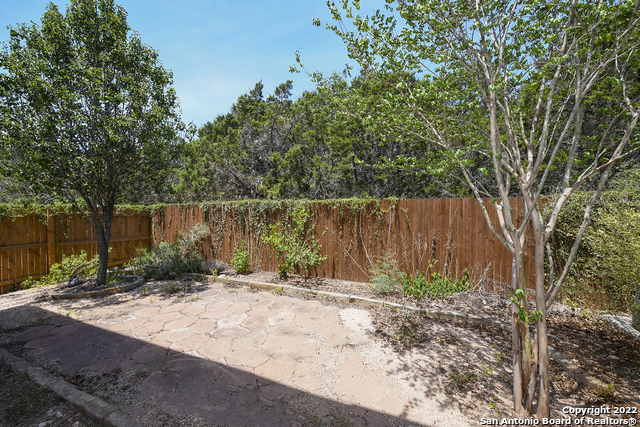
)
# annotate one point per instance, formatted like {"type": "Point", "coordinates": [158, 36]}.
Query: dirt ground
{"type": "Point", "coordinates": [24, 403]}
{"type": "Point", "coordinates": [480, 388]}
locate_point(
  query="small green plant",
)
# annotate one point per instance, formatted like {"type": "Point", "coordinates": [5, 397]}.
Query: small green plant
{"type": "Point", "coordinates": [487, 371]}
{"type": "Point", "coordinates": [522, 313]}
{"type": "Point", "coordinates": [186, 289]}
{"type": "Point", "coordinates": [114, 277]}
{"type": "Point", "coordinates": [145, 292]}
{"type": "Point", "coordinates": [295, 244]}
{"type": "Point", "coordinates": [406, 336]}
{"type": "Point", "coordinates": [500, 357]}
{"type": "Point", "coordinates": [172, 288]}
{"type": "Point", "coordinates": [277, 290]}
{"type": "Point", "coordinates": [607, 393]}
{"type": "Point", "coordinates": [493, 404]}
{"type": "Point", "coordinates": [71, 266]}
{"type": "Point", "coordinates": [241, 261]}
{"type": "Point", "coordinates": [385, 275]}
{"type": "Point", "coordinates": [439, 286]}
{"type": "Point", "coordinates": [462, 379]}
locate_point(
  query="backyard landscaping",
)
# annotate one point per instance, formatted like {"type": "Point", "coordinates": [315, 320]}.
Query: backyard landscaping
{"type": "Point", "coordinates": [401, 337]}
{"type": "Point", "coordinates": [430, 360]}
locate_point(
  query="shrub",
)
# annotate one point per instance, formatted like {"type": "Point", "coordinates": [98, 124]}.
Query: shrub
{"type": "Point", "coordinates": [71, 266]}
{"type": "Point", "coordinates": [606, 270]}
{"type": "Point", "coordinates": [170, 259]}
{"type": "Point", "coordinates": [440, 286]}
{"type": "Point", "coordinates": [385, 275]}
{"type": "Point", "coordinates": [241, 260]}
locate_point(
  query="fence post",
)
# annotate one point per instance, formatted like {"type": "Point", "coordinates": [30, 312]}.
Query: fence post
{"type": "Point", "coordinates": [150, 241]}
{"type": "Point", "coordinates": [51, 235]}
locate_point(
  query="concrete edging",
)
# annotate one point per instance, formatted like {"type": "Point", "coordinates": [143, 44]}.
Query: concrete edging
{"type": "Point", "coordinates": [572, 369]}
{"type": "Point", "coordinates": [101, 411]}
{"type": "Point", "coordinates": [103, 292]}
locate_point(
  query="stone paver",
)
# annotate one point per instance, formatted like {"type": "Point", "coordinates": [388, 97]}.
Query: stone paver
{"type": "Point", "coordinates": [273, 356]}
{"type": "Point", "coordinates": [233, 320]}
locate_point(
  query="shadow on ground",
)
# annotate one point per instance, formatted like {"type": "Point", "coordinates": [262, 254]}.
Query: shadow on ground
{"type": "Point", "coordinates": [160, 387]}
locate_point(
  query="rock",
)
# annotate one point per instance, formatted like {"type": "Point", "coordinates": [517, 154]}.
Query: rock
{"type": "Point", "coordinates": [75, 281]}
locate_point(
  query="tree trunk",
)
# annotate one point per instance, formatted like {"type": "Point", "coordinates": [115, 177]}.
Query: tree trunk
{"type": "Point", "coordinates": [635, 309]}
{"type": "Point", "coordinates": [516, 344]}
{"type": "Point", "coordinates": [525, 335]}
{"type": "Point", "coordinates": [103, 233]}
{"type": "Point", "coordinates": [541, 326]}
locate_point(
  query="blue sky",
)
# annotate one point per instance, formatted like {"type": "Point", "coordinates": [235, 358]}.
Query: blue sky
{"type": "Point", "coordinates": [218, 50]}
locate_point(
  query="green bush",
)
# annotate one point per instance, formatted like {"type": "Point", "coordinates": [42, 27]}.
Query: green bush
{"type": "Point", "coordinates": [241, 261]}
{"type": "Point", "coordinates": [385, 275]}
{"type": "Point", "coordinates": [171, 259]}
{"type": "Point", "coordinates": [295, 244]}
{"type": "Point", "coordinates": [417, 286]}
{"type": "Point", "coordinates": [606, 270]}
{"type": "Point", "coordinates": [71, 266]}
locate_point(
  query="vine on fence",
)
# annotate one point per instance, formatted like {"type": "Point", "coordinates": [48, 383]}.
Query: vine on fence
{"type": "Point", "coordinates": [295, 244]}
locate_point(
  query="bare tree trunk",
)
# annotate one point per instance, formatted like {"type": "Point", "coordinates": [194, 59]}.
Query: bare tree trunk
{"type": "Point", "coordinates": [541, 326]}
{"type": "Point", "coordinates": [516, 344]}
{"type": "Point", "coordinates": [103, 233]}
{"type": "Point", "coordinates": [525, 335]}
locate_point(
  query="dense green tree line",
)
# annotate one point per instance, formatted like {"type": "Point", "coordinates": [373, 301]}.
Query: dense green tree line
{"type": "Point", "coordinates": [276, 147]}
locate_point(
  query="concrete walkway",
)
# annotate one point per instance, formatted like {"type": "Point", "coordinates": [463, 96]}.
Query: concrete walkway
{"type": "Point", "coordinates": [230, 356]}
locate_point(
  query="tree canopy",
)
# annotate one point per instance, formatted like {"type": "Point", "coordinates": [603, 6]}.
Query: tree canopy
{"type": "Point", "coordinates": [87, 110]}
{"type": "Point", "coordinates": [272, 146]}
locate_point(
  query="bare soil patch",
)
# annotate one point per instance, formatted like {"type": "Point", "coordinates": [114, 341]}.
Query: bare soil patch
{"type": "Point", "coordinates": [24, 403]}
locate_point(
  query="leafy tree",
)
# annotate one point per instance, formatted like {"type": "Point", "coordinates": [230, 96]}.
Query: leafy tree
{"type": "Point", "coordinates": [87, 111]}
{"type": "Point", "coordinates": [509, 81]}
{"type": "Point", "coordinates": [276, 147]}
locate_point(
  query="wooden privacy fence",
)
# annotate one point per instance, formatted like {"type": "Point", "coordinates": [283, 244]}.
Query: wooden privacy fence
{"type": "Point", "coordinates": [450, 232]}
{"type": "Point", "coordinates": [29, 247]}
